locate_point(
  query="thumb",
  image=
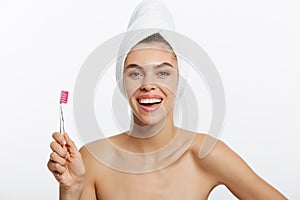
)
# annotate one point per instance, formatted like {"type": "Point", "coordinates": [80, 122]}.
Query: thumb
{"type": "Point", "coordinates": [70, 144]}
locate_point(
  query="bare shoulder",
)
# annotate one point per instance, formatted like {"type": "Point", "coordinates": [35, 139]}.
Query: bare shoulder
{"type": "Point", "coordinates": [210, 149]}
{"type": "Point", "coordinates": [96, 152]}
{"type": "Point", "coordinates": [217, 158]}
{"type": "Point", "coordinates": [86, 150]}
{"type": "Point", "coordinates": [91, 154]}
{"type": "Point", "coordinates": [229, 169]}
{"type": "Point", "coordinates": [214, 155]}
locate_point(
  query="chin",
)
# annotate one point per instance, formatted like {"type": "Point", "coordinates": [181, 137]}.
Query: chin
{"type": "Point", "coordinates": [151, 118]}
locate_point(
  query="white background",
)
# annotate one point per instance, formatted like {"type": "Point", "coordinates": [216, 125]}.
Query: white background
{"type": "Point", "coordinates": [255, 46]}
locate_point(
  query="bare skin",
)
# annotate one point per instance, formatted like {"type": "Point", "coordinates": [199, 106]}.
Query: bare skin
{"type": "Point", "coordinates": [82, 176]}
{"type": "Point", "coordinates": [187, 178]}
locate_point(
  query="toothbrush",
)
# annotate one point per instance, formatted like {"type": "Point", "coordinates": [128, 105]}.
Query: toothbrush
{"type": "Point", "coordinates": [63, 100]}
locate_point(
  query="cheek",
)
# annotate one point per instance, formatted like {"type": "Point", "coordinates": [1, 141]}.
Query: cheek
{"type": "Point", "coordinates": [132, 102]}
{"type": "Point", "coordinates": [173, 86]}
{"type": "Point", "coordinates": [170, 84]}
{"type": "Point", "coordinates": [171, 99]}
{"type": "Point", "coordinates": [131, 86]}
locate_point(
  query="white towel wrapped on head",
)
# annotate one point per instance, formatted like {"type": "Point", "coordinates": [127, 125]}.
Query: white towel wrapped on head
{"type": "Point", "coordinates": [148, 18]}
{"type": "Point", "coordinates": [151, 14]}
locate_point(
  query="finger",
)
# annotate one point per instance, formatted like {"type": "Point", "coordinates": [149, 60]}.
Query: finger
{"type": "Point", "coordinates": [71, 145]}
{"type": "Point", "coordinates": [56, 158]}
{"type": "Point", "coordinates": [58, 137]}
{"type": "Point", "coordinates": [58, 149]}
{"type": "Point", "coordinates": [56, 167]}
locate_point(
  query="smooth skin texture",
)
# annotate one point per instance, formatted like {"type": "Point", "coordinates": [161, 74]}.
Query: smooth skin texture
{"type": "Point", "coordinates": [81, 176]}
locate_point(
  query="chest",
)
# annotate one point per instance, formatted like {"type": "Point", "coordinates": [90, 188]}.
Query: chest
{"type": "Point", "coordinates": [184, 179]}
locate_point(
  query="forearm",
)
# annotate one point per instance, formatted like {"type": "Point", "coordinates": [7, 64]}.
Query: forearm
{"type": "Point", "coordinates": [73, 193]}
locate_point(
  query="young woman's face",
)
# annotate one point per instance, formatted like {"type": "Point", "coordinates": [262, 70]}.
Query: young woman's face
{"type": "Point", "coordinates": [150, 79]}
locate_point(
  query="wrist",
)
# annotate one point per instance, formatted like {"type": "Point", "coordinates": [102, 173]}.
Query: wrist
{"type": "Point", "coordinates": [78, 184]}
{"type": "Point", "coordinates": [71, 192]}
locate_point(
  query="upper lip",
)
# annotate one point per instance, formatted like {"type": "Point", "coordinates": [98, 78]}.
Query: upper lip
{"type": "Point", "coordinates": [149, 96]}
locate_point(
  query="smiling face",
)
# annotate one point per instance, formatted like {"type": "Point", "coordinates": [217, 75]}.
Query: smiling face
{"type": "Point", "coordinates": [150, 78]}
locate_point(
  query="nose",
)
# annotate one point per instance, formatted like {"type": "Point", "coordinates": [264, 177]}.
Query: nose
{"type": "Point", "coordinates": [148, 87]}
{"type": "Point", "coordinates": [148, 83]}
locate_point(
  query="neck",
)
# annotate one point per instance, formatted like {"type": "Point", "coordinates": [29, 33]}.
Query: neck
{"type": "Point", "coordinates": [152, 137]}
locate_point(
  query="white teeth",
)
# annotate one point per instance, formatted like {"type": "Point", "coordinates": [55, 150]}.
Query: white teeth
{"type": "Point", "coordinates": [149, 100]}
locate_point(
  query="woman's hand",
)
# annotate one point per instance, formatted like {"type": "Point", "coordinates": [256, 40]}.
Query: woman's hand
{"type": "Point", "coordinates": [66, 163]}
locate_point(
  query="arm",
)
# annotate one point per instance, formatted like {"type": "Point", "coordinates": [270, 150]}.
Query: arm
{"type": "Point", "coordinates": [229, 169]}
{"type": "Point", "coordinates": [89, 191]}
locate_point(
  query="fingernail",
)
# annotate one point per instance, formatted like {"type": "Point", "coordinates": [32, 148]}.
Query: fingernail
{"type": "Point", "coordinates": [63, 142]}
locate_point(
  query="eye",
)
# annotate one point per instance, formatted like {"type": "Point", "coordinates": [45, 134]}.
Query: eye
{"type": "Point", "coordinates": [163, 73]}
{"type": "Point", "coordinates": [135, 74]}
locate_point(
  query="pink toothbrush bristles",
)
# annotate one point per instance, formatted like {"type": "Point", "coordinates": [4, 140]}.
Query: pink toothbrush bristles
{"type": "Point", "coordinates": [64, 97]}
{"type": "Point", "coordinates": [63, 100]}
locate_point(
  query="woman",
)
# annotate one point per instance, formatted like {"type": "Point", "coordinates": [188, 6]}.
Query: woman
{"type": "Point", "coordinates": [150, 78]}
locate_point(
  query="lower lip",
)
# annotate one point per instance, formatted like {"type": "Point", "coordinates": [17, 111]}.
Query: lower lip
{"type": "Point", "coordinates": [150, 108]}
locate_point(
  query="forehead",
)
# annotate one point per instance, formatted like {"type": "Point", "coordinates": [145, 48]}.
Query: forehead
{"type": "Point", "coordinates": [153, 53]}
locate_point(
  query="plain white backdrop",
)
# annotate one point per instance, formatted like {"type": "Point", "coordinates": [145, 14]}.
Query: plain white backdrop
{"type": "Point", "coordinates": [255, 46]}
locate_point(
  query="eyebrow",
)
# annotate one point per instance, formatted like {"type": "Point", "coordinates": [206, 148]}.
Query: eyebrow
{"type": "Point", "coordinates": [133, 66]}
{"type": "Point", "coordinates": [165, 64]}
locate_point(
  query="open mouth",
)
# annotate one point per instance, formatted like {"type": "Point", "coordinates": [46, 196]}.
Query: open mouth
{"type": "Point", "coordinates": [149, 104]}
